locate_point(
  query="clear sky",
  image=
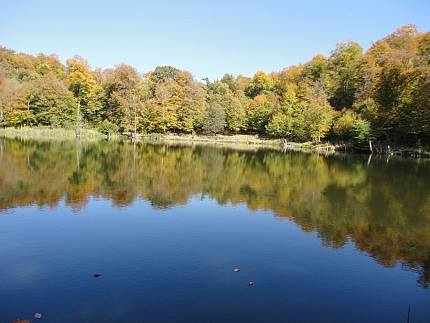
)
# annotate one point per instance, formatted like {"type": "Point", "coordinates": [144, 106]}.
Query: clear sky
{"type": "Point", "coordinates": [207, 38]}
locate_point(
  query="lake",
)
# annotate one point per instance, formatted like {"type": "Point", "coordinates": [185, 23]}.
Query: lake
{"type": "Point", "coordinates": [341, 238]}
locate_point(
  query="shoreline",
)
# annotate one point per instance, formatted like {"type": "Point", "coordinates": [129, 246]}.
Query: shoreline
{"type": "Point", "coordinates": [239, 141]}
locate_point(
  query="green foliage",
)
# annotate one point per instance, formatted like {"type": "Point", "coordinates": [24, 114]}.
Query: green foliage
{"type": "Point", "coordinates": [108, 128]}
{"type": "Point", "coordinates": [343, 66]}
{"type": "Point", "coordinates": [287, 122]}
{"type": "Point", "coordinates": [164, 73]}
{"type": "Point", "coordinates": [305, 114]}
{"type": "Point", "coordinates": [236, 113]}
{"type": "Point", "coordinates": [214, 121]}
{"type": "Point", "coordinates": [317, 70]}
{"type": "Point", "coordinates": [230, 81]}
{"type": "Point", "coordinates": [317, 112]}
{"type": "Point", "coordinates": [349, 126]}
{"type": "Point", "coordinates": [361, 133]}
{"type": "Point", "coordinates": [234, 104]}
{"type": "Point", "coordinates": [280, 126]}
{"type": "Point", "coordinates": [18, 118]}
{"type": "Point", "coordinates": [191, 110]}
{"type": "Point", "coordinates": [49, 102]}
{"type": "Point", "coordinates": [343, 124]}
{"type": "Point", "coordinates": [259, 112]}
{"type": "Point", "coordinates": [400, 85]}
{"type": "Point", "coordinates": [123, 97]}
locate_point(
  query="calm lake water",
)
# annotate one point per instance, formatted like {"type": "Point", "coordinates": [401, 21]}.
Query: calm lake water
{"type": "Point", "coordinates": [324, 239]}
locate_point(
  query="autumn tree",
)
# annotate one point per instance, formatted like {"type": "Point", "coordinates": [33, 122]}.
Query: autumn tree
{"type": "Point", "coordinates": [124, 98]}
{"type": "Point", "coordinates": [287, 120]}
{"type": "Point", "coordinates": [259, 112]}
{"type": "Point", "coordinates": [234, 103]}
{"type": "Point", "coordinates": [261, 83]}
{"type": "Point", "coordinates": [176, 101]}
{"type": "Point", "coordinates": [214, 120]}
{"type": "Point", "coordinates": [399, 85]}
{"type": "Point", "coordinates": [8, 92]}
{"type": "Point", "coordinates": [317, 112]}
{"type": "Point", "coordinates": [317, 70]}
{"type": "Point", "coordinates": [86, 90]}
{"type": "Point", "coordinates": [343, 69]}
{"type": "Point", "coordinates": [49, 101]}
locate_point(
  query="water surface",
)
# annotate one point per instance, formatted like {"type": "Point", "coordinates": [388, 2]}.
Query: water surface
{"type": "Point", "coordinates": [324, 239]}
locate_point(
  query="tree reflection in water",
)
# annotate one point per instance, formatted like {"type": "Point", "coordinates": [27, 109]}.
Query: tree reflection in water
{"type": "Point", "coordinates": [384, 208]}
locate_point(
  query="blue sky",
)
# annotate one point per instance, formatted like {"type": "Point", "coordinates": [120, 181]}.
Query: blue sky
{"type": "Point", "coordinates": [207, 38]}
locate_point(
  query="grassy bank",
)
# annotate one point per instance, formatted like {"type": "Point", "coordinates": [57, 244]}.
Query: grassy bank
{"type": "Point", "coordinates": [50, 133]}
{"type": "Point", "coordinates": [238, 141]}
{"type": "Point", "coordinates": [243, 140]}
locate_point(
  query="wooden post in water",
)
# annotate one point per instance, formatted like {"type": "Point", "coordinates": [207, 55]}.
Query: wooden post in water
{"type": "Point", "coordinates": [409, 314]}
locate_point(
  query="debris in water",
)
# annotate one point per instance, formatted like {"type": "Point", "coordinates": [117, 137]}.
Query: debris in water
{"type": "Point", "coordinates": [97, 275]}
{"type": "Point", "coordinates": [236, 270]}
{"type": "Point", "coordinates": [37, 316]}
{"type": "Point", "coordinates": [21, 321]}
{"type": "Point", "coordinates": [251, 283]}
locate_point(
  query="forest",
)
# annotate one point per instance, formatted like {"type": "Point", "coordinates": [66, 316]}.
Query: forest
{"type": "Point", "coordinates": [350, 96]}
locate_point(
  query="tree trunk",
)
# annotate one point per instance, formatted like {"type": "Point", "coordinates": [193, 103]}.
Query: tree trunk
{"type": "Point", "coordinates": [135, 122]}
{"type": "Point", "coordinates": [78, 121]}
{"type": "Point", "coordinates": [1, 116]}
{"type": "Point", "coordinates": [78, 156]}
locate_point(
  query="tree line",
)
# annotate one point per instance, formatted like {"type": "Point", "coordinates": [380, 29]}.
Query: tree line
{"type": "Point", "coordinates": [352, 95]}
